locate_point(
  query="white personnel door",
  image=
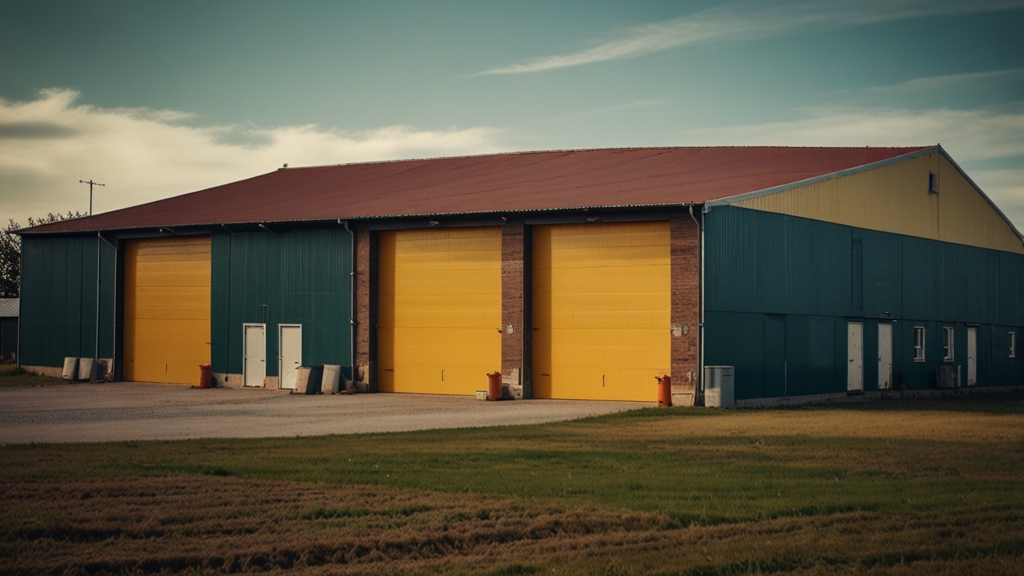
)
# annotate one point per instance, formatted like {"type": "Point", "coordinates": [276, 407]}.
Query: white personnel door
{"type": "Point", "coordinates": [255, 355]}
{"type": "Point", "coordinates": [884, 356]}
{"type": "Point", "coordinates": [855, 356]}
{"type": "Point", "coordinates": [291, 355]}
{"type": "Point", "coordinates": [972, 356]}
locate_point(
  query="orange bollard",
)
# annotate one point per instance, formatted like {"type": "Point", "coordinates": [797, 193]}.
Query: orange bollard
{"type": "Point", "coordinates": [205, 375]}
{"type": "Point", "coordinates": [494, 386]}
{"type": "Point", "coordinates": [664, 390]}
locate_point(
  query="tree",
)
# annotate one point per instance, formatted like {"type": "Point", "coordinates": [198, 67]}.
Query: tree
{"type": "Point", "coordinates": [10, 261]}
{"type": "Point", "coordinates": [10, 251]}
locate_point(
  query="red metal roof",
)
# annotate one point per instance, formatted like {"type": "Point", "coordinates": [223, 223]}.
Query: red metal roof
{"type": "Point", "coordinates": [526, 181]}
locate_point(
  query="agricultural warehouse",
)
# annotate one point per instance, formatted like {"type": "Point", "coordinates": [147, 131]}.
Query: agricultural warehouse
{"type": "Point", "coordinates": [578, 274]}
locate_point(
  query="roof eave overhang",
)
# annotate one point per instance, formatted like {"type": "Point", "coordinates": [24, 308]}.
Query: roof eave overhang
{"type": "Point", "coordinates": [376, 217]}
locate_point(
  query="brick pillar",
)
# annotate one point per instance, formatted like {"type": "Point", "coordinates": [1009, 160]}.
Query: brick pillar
{"type": "Point", "coordinates": [362, 312]}
{"type": "Point", "coordinates": [513, 288]}
{"type": "Point", "coordinates": [685, 308]}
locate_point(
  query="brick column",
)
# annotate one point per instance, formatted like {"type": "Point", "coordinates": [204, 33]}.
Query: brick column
{"type": "Point", "coordinates": [685, 308]}
{"type": "Point", "coordinates": [362, 311]}
{"type": "Point", "coordinates": [513, 289]}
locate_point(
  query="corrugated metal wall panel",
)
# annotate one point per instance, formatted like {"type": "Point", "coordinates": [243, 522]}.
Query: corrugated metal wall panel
{"type": "Point", "coordinates": [916, 281]}
{"type": "Point", "coordinates": [220, 297]}
{"type": "Point", "coordinates": [730, 272]}
{"type": "Point", "coordinates": [831, 269]}
{"type": "Point", "coordinates": [58, 305]}
{"type": "Point", "coordinates": [798, 381]}
{"type": "Point", "coordinates": [293, 277]}
{"type": "Point", "coordinates": [966, 218]}
{"type": "Point", "coordinates": [922, 279]}
{"type": "Point", "coordinates": [883, 274]}
{"type": "Point", "coordinates": [737, 339]}
{"type": "Point", "coordinates": [895, 199]}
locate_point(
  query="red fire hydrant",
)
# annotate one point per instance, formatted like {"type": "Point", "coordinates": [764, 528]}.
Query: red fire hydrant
{"type": "Point", "coordinates": [664, 390]}
{"type": "Point", "coordinates": [494, 386]}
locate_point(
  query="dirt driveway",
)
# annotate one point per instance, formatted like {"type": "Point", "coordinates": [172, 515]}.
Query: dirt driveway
{"type": "Point", "coordinates": [133, 411]}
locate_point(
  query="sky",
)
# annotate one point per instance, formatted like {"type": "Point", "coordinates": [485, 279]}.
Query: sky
{"type": "Point", "coordinates": [156, 99]}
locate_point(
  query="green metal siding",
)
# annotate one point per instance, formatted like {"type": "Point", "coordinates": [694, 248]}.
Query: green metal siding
{"type": "Point", "coordinates": [295, 277]}
{"type": "Point", "coordinates": [58, 299]}
{"type": "Point", "coordinates": [783, 288]}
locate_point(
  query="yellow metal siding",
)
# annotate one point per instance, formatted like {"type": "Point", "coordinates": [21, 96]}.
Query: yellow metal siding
{"type": "Point", "coordinates": [167, 309]}
{"type": "Point", "coordinates": [439, 309]}
{"type": "Point", "coordinates": [601, 298]}
{"type": "Point", "coordinates": [966, 218]}
{"type": "Point", "coordinates": [895, 198]}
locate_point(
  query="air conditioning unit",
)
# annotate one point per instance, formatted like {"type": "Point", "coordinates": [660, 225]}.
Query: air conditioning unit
{"type": "Point", "coordinates": [944, 377]}
{"type": "Point", "coordinates": [719, 387]}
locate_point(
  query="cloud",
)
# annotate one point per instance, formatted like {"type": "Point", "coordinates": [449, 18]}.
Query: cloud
{"type": "Point", "coordinates": [744, 22]}
{"type": "Point", "coordinates": [968, 135]}
{"type": "Point", "coordinates": [935, 83]}
{"type": "Point", "coordinates": [48, 144]}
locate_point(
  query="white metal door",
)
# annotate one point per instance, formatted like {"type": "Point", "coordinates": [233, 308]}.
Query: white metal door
{"type": "Point", "coordinates": [884, 356]}
{"type": "Point", "coordinates": [255, 368]}
{"type": "Point", "coordinates": [290, 340]}
{"type": "Point", "coordinates": [972, 356]}
{"type": "Point", "coordinates": [855, 354]}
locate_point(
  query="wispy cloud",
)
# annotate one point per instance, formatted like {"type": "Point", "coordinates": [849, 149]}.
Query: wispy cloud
{"type": "Point", "coordinates": [933, 83]}
{"type": "Point", "coordinates": [969, 135]}
{"type": "Point", "coordinates": [48, 144]}
{"type": "Point", "coordinates": [740, 22]}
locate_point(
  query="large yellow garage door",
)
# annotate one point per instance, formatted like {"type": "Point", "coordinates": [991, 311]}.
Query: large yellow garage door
{"type": "Point", "coordinates": [166, 309]}
{"type": "Point", "coordinates": [601, 322]}
{"type": "Point", "coordinates": [439, 309]}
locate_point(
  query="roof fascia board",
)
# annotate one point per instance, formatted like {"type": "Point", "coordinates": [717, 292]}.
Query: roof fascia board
{"type": "Point", "coordinates": [412, 224]}
{"type": "Point", "coordinates": [979, 191]}
{"type": "Point", "coordinates": [597, 217]}
{"type": "Point", "coordinates": [807, 182]}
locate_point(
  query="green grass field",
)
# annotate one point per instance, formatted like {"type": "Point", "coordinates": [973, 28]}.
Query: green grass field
{"type": "Point", "coordinates": [915, 487]}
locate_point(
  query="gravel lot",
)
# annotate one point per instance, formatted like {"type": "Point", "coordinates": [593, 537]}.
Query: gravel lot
{"type": "Point", "coordinates": [132, 411]}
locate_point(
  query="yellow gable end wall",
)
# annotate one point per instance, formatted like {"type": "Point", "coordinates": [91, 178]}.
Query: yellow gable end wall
{"type": "Point", "coordinates": [895, 198]}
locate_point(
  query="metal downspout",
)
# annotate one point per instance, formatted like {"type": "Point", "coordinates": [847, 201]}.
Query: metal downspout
{"type": "Point", "coordinates": [351, 302]}
{"type": "Point", "coordinates": [113, 343]}
{"type": "Point", "coordinates": [700, 311]}
{"type": "Point", "coordinates": [21, 274]}
{"type": "Point", "coordinates": [96, 350]}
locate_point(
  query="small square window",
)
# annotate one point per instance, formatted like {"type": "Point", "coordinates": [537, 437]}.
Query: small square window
{"type": "Point", "coordinates": [918, 343]}
{"type": "Point", "coordinates": [933, 183]}
{"type": "Point", "coordinates": [1013, 344]}
{"type": "Point", "coordinates": [947, 344]}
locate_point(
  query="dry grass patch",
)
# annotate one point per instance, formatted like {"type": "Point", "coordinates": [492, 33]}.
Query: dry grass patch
{"type": "Point", "coordinates": [14, 375]}
{"type": "Point", "coordinates": [222, 526]}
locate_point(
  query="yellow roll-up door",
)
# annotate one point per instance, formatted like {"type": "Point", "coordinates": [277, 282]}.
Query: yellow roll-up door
{"type": "Point", "coordinates": [601, 320]}
{"type": "Point", "coordinates": [439, 309]}
{"type": "Point", "coordinates": [166, 309]}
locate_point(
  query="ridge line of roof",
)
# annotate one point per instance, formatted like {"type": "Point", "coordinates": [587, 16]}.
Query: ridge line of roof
{"type": "Point", "coordinates": [572, 150]}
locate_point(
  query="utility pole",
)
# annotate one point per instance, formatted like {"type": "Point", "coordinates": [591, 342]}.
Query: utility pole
{"type": "Point", "coordinates": [91, 184]}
